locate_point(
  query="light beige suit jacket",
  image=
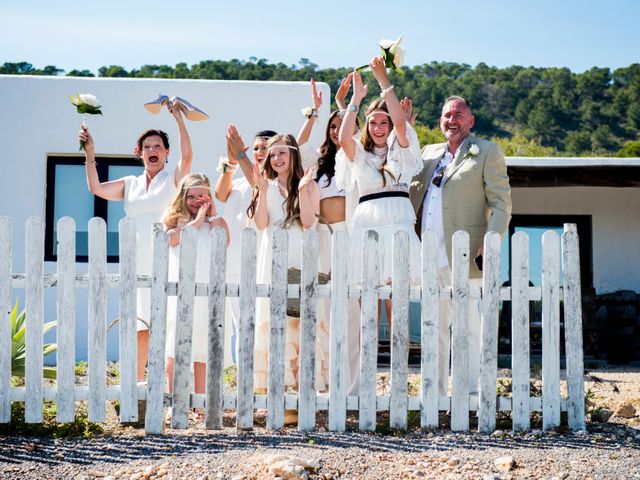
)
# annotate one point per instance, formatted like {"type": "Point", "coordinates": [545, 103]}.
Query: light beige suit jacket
{"type": "Point", "coordinates": [476, 196]}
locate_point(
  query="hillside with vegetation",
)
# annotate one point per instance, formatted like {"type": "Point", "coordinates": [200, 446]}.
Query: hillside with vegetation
{"type": "Point", "coordinates": [530, 111]}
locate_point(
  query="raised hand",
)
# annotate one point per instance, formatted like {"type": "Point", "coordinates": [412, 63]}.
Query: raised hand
{"type": "Point", "coordinates": [260, 178]}
{"type": "Point", "coordinates": [174, 107]}
{"type": "Point", "coordinates": [235, 144]}
{"type": "Point", "coordinates": [407, 109]}
{"type": "Point", "coordinates": [359, 88]}
{"type": "Point", "coordinates": [202, 214]}
{"type": "Point", "coordinates": [379, 71]}
{"type": "Point", "coordinates": [315, 96]}
{"type": "Point", "coordinates": [343, 89]}
{"type": "Point", "coordinates": [308, 177]}
{"type": "Point", "coordinates": [85, 136]}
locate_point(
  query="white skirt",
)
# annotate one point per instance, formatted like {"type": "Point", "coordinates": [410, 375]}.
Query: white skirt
{"type": "Point", "coordinates": [386, 216]}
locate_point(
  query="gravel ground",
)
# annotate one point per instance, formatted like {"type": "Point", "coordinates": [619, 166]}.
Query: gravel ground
{"type": "Point", "coordinates": [604, 451]}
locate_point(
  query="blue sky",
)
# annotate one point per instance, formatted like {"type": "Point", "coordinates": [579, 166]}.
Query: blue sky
{"type": "Point", "coordinates": [545, 33]}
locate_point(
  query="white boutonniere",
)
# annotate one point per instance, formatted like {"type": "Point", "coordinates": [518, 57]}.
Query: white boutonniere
{"type": "Point", "coordinates": [474, 150]}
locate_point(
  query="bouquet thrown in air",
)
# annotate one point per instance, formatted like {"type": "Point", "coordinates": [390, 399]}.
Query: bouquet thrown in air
{"type": "Point", "coordinates": [86, 104]}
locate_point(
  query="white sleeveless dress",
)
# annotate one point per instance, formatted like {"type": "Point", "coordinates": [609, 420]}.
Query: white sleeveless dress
{"type": "Point", "coordinates": [276, 212]}
{"type": "Point", "coordinates": [146, 207]}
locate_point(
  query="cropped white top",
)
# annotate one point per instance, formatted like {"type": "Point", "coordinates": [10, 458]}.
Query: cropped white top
{"type": "Point", "coordinates": [330, 190]}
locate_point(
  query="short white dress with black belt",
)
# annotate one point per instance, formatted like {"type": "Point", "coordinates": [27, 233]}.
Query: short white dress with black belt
{"type": "Point", "coordinates": [384, 204]}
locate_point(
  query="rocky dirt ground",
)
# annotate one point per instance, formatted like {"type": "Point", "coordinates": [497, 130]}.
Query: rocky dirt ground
{"type": "Point", "coordinates": [608, 450]}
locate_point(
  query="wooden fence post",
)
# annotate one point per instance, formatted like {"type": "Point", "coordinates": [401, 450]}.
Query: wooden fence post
{"type": "Point", "coordinates": [430, 312]}
{"type": "Point", "coordinates": [277, 307]}
{"type": "Point", "coordinates": [97, 319]}
{"type": "Point", "coordinates": [520, 368]}
{"type": "Point", "coordinates": [66, 313]}
{"type": "Point", "coordinates": [399, 401]}
{"type": "Point", "coordinates": [339, 370]}
{"type": "Point", "coordinates": [550, 330]}
{"type": "Point", "coordinates": [460, 333]}
{"type": "Point", "coordinates": [5, 327]}
{"type": "Point", "coordinates": [573, 327]}
{"type": "Point", "coordinates": [489, 335]}
{"type": "Point", "coordinates": [214, 402]}
{"type": "Point", "coordinates": [128, 320]}
{"type": "Point", "coordinates": [154, 417]}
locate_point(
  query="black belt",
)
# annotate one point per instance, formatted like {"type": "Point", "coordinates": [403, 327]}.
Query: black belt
{"type": "Point", "coordinates": [373, 196]}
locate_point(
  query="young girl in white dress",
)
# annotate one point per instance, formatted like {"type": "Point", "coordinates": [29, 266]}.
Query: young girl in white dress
{"type": "Point", "coordinates": [380, 164]}
{"type": "Point", "coordinates": [287, 198]}
{"type": "Point", "coordinates": [192, 205]}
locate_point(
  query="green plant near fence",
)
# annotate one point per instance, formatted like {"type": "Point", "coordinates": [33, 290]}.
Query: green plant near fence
{"type": "Point", "coordinates": [19, 346]}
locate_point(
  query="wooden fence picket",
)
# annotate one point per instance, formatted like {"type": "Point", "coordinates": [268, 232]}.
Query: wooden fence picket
{"type": "Point", "coordinates": [184, 328]}
{"type": "Point", "coordinates": [97, 303]}
{"type": "Point", "coordinates": [277, 307]}
{"type": "Point", "coordinates": [520, 369]}
{"type": "Point", "coordinates": [399, 402]}
{"type": "Point", "coordinates": [369, 331]}
{"type": "Point", "coordinates": [154, 416]}
{"type": "Point", "coordinates": [308, 325]}
{"type": "Point", "coordinates": [573, 327]}
{"type": "Point", "coordinates": [246, 331]}
{"type": "Point", "coordinates": [339, 373]}
{"type": "Point", "coordinates": [5, 327]}
{"type": "Point", "coordinates": [430, 312]}
{"type": "Point", "coordinates": [66, 315]}
{"type": "Point", "coordinates": [489, 335]}
{"type": "Point", "coordinates": [215, 354]}
{"type": "Point", "coordinates": [34, 302]}
{"type": "Point", "coordinates": [460, 333]}
{"type": "Point", "coordinates": [550, 330]}
{"type": "Point", "coordinates": [128, 320]}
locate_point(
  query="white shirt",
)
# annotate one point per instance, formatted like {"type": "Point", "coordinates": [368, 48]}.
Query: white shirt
{"type": "Point", "coordinates": [432, 218]}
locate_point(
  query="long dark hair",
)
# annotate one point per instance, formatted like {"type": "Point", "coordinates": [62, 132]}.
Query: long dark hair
{"type": "Point", "coordinates": [291, 204]}
{"type": "Point", "coordinates": [328, 150]}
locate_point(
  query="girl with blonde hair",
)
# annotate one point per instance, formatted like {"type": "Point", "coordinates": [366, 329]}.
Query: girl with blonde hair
{"type": "Point", "coordinates": [191, 206]}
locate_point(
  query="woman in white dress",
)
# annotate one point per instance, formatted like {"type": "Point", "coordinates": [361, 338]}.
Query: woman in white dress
{"type": "Point", "coordinates": [191, 206]}
{"type": "Point", "coordinates": [380, 164]}
{"type": "Point", "coordinates": [287, 198]}
{"type": "Point", "coordinates": [145, 199]}
{"type": "Point", "coordinates": [236, 196]}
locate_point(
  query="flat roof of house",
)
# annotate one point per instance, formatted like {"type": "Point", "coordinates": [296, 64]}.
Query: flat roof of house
{"type": "Point", "coordinates": [573, 172]}
{"type": "Point", "coordinates": [572, 162]}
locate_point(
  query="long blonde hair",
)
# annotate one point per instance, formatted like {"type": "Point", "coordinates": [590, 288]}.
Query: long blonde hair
{"type": "Point", "coordinates": [178, 214]}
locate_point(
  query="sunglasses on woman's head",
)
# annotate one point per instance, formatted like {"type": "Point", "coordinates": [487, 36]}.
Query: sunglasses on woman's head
{"type": "Point", "coordinates": [437, 179]}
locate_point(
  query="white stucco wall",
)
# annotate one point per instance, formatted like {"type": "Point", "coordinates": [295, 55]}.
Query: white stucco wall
{"type": "Point", "coordinates": [37, 119]}
{"type": "Point", "coordinates": [615, 227]}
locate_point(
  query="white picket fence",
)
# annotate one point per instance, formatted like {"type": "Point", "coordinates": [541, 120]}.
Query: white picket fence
{"type": "Point", "coordinates": [307, 402]}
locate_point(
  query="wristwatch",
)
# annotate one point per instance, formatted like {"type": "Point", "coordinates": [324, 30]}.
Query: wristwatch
{"type": "Point", "coordinates": [352, 107]}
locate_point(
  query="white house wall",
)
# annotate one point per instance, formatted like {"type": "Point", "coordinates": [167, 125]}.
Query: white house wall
{"type": "Point", "coordinates": [615, 227]}
{"type": "Point", "coordinates": [37, 119]}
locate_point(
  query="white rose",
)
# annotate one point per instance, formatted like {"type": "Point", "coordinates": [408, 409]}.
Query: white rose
{"type": "Point", "coordinates": [307, 112]}
{"type": "Point", "coordinates": [89, 99]}
{"type": "Point", "coordinates": [474, 149]}
{"type": "Point", "coordinates": [397, 51]}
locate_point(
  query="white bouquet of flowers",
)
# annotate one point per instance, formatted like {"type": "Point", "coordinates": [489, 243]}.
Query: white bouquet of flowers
{"type": "Point", "coordinates": [392, 53]}
{"type": "Point", "coordinates": [86, 104]}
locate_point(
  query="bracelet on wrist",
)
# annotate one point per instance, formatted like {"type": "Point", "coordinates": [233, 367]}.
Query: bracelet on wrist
{"type": "Point", "coordinates": [211, 218]}
{"type": "Point", "coordinates": [386, 90]}
{"type": "Point", "coordinates": [91, 162]}
{"type": "Point", "coordinates": [352, 107]}
{"type": "Point", "coordinates": [241, 155]}
{"type": "Point", "coordinates": [309, 112]}
{"type": "Point", "coordinates": [224, 166]}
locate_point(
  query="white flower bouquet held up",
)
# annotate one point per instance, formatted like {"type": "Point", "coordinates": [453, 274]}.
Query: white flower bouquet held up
{"type": "Point", "coordinates": [86, 104]}
{"type": "Point", "coordinates": [392, 53]}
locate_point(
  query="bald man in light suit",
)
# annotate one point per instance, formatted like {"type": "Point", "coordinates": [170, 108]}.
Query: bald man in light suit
{"type": "Point", "coordinates": [463, 186]}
